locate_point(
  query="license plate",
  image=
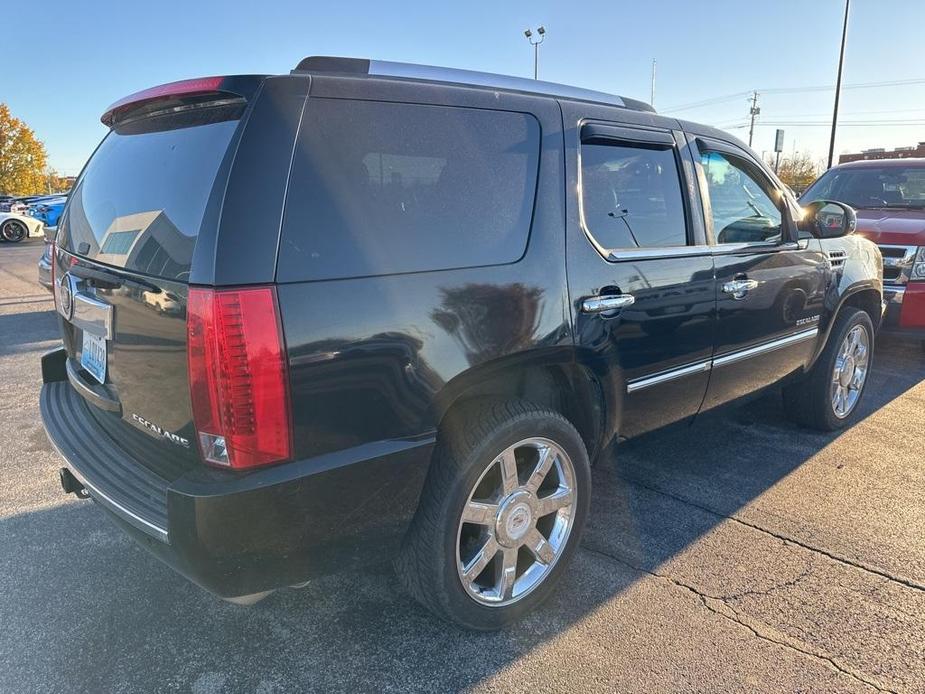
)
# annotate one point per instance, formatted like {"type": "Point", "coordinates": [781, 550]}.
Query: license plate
{"type": "Point", "coordinates": [93, 356]}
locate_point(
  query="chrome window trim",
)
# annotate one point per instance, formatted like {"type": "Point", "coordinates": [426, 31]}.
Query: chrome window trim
{"type": "Point", "coordinates": [665, 376]}
{"type": "Point", "coordinates": [733, 357]}
{"type": "Point", "coordinates": [128, 516]}
{"type": "Point", "coordinates": [654, 253]}
{"type": "Point", "coordinates": [638, 384]}
{"type": "Point", "coordinates": [616, 255]}
{"type": "Point", "coordinates": [755, 247]}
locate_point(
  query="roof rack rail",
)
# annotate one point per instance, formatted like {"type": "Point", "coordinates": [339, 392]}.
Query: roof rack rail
{"type": "Point", "coordinates": [431, 73]}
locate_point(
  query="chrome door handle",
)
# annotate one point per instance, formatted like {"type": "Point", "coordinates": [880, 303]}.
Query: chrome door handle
{"type": "Point", "coordinates": [739, 288]}
{"type": "Point", "coordinates": [606, 302]}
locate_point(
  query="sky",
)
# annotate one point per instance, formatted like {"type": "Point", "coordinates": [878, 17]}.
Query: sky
{"type": "Point", "coordinates": [81, 60]}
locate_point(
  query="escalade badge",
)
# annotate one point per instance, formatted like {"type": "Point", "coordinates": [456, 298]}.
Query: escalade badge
{"type": "Point", "coordinates": [160, 431]}
{"type": "Point", "coordinates": [66, 296]}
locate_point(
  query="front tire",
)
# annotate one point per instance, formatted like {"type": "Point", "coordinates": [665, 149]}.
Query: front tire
{"type": "Point", "coordinates": [501, 514]}
{"type": "Point", "coordinates": [828, 398]}
{"type": "Point", "coordinates": [13, 231]}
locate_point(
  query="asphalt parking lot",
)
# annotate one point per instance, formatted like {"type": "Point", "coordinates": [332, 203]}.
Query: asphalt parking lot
{"type": "Point", "coordinates": [742, 554]}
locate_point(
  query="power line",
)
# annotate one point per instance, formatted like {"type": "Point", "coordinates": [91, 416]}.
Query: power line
{"type": "Point", "coordinates": [858, 113]}
{"type": "Point", "coordinates": [793, 90]}
{"type": "Point", "coordinates": [899, 123]}
{"type": "Point", "coordinates": [709, 102]}
{"type": "Point", "coordinates": [867, 124]}
{"type": "Point", "coordinates": [857, 85]}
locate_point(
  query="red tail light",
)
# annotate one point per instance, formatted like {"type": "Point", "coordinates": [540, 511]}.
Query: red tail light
{"type": "Point", "coordinates": [238, 376]}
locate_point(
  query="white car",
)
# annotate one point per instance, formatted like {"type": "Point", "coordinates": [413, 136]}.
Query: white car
{"type": "Point", "coordinates": [16, 227]}
{"type": "Point", "coordinates": [162, 301]}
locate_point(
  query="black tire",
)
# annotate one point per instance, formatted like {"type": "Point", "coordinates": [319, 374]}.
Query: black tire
{"type": "Point", "coordinates": [468, 443]}
{"type": "Point", "coordinates": [13, 231]}
{"type": "Point", "coordinates": [809, 401]}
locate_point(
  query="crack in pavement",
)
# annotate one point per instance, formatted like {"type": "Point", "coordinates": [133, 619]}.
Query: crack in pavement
{"type": "Point", "coordinates": [757, 628]}
{"type": "Point", "coordinates": [907, 582]}
{"type": "Point", "coordinates": [767, 591]}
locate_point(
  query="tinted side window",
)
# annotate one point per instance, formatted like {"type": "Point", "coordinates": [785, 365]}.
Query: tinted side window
{"type": "Point", "coordinates": [380, 188]}
{"type": "Point", "coordinates": [742, 210]}
{"type": "Point", "coordinates": [631, 196]}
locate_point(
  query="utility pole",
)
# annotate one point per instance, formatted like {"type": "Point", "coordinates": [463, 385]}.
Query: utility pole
{"type": "Point", "coordinates": [754, 111]}
{"type": "Point", "coordinates": [652, 98]}
{"type": "Point", "coordinates": [541, 30]}
{"type": "Point", "coordinates": [841, 62]}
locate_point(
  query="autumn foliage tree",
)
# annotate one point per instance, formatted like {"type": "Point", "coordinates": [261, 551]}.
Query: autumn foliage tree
{"type": "Point", "coordinates": [798, 171]}
{"type": "Point", "coordinates": [56, 183]}
{"type": "Point", "coordinates": [22, 157]}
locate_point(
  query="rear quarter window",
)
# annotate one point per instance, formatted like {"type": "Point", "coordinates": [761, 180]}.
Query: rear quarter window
{"type": "Point", "coordinates": [381, 188]}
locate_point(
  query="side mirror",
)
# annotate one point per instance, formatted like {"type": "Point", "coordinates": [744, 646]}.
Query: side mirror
{"type": "Point", "coordinates": [828, 219]}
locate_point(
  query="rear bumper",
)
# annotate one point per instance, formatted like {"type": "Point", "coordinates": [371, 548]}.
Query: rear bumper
{"type": "Point", "coordinates": [238, 534]}
{"type": "Point", "coordinates": [905, 310]}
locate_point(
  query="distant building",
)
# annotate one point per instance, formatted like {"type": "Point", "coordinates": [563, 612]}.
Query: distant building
{"type": "Point", "coordinates": [881, 153]}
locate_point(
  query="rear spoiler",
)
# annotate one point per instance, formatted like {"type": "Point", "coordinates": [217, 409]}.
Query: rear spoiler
{"type": "Point", "coordinates": [202, 90]}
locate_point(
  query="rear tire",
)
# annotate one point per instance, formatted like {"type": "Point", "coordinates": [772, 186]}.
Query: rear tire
{"type": "Point", "coordinates": [828, 398]}
{"type": "Point", "coordinates": [13, 231]}
{"type": "Point", "coordinates": [501, 514]}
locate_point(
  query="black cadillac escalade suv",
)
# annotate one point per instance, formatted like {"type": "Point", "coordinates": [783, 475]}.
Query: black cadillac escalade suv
{"type": "Point", "coordinates": [371, 311]}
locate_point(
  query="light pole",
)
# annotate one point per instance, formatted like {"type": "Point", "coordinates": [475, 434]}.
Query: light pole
{"type": "Point", "coordinates": [652, 97]}
{"type": "Point", "coordinates": [541, 32]}
{"type": "Point", "coordinates": [841, 62]}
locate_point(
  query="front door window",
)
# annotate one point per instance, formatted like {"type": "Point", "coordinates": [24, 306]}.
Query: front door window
{"type": "Point", "coordinates": [741, 209]}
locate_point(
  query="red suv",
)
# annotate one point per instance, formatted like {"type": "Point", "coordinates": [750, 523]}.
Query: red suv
{"type": "Point", "coordinates": [889, 196]}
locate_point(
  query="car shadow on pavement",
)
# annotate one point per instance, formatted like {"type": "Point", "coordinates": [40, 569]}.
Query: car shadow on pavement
{"type": "Point", "coordinates": [85, 608]}
{"type": "Point", "coordinates": [17, 329]}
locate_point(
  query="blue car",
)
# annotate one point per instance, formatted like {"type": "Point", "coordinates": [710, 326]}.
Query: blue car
{"type": "Point", "coordinates": [48, 210]}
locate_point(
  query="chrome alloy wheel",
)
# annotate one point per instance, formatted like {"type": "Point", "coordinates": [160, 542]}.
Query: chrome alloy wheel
{"type": "Point", "coordinates": [850, 372]}
{"type": "Point", "coordinates": [516, 522]}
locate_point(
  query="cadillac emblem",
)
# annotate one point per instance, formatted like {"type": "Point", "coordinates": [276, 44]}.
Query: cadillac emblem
{"type": "Point", "coordinates": [66, 296]}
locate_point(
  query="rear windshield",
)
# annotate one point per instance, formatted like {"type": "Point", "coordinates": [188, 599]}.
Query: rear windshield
{"type": "Point", "coordinates": [381, 188]}
{"type": "Point", "coordinates": [140, 202]}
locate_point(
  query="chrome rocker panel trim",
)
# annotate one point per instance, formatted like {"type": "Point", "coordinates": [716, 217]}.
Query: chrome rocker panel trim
{"type": "Point", "coordinates": [733, 357]}
{"type": "Point", "coordinates": [665, 376]}
{"type": "Point", "coordinates": [730, 358]}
